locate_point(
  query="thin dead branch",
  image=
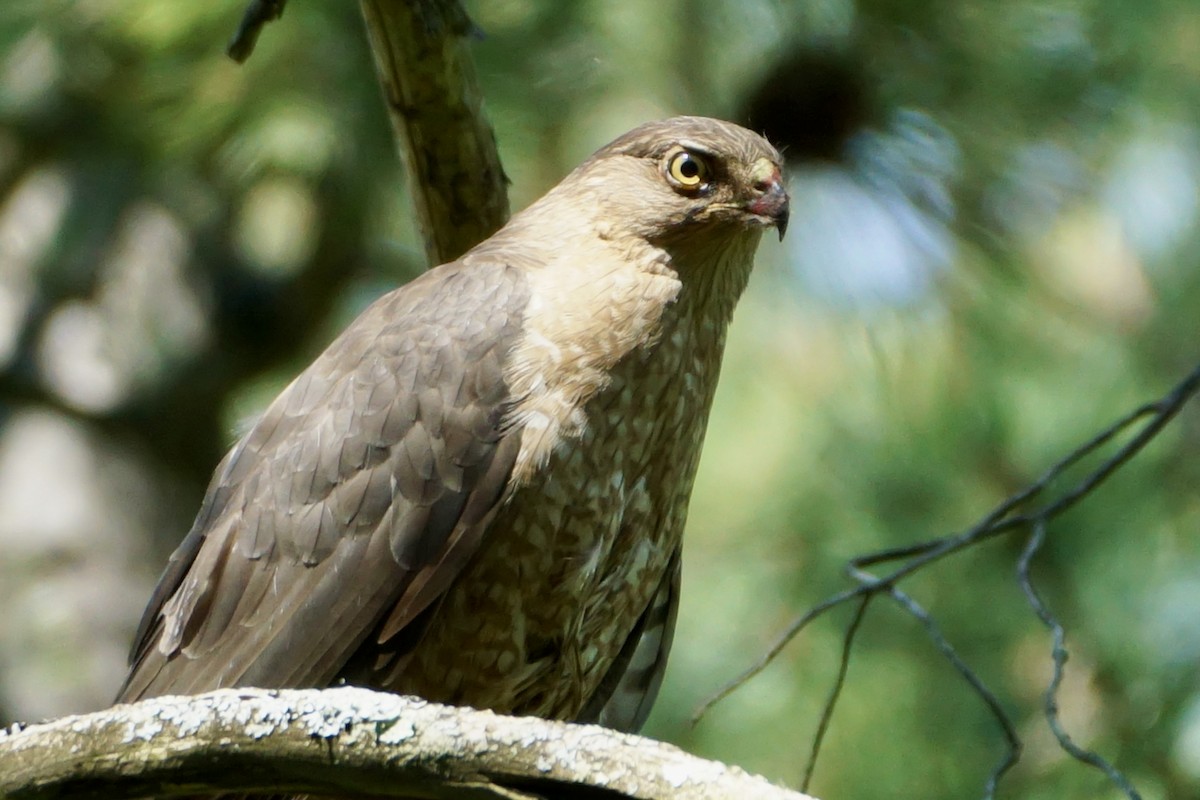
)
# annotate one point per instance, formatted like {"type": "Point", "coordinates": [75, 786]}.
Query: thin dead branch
{"type": "Point", "coordinates": [258, 13]}
{"type": "Point", "coordinates": [1005, 518]}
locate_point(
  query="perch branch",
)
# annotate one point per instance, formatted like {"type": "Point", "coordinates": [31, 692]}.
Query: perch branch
{"type": "Point", "coordinates": [347, 740]}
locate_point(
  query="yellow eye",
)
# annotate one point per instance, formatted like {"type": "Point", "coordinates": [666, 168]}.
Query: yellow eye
{"type": "Point", "coordinates": [687, 170]}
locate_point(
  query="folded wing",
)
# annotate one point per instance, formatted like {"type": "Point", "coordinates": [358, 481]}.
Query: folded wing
{"type": "Point", "coordinates": [358, 497]}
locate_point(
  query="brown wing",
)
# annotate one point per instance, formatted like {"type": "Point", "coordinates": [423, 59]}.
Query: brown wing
{"type": "Point", "coordinates": [629, 688]}
{"type": "Point", "coordinates": [358, 496]}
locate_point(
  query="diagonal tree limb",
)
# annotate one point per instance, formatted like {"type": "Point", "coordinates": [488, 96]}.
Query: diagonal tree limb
{"type": "Point", "coordinates": [433, 99]}
{"type": "Point", "coordinates": [432, 95]}
{"type": "Point", "coordinates": [348, 740]}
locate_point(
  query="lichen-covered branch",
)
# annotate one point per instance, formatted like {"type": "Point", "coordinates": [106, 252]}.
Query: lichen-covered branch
{"type": "Point", "coordinates": [347, 740]}
{"type": "Point", "coordinates": [433, 99]}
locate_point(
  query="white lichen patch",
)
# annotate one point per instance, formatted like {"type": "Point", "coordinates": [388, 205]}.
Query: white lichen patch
{"type": "Point", "coordinates": [476, 740]}
{"type": "Point", "coordinates": [255, 713]}
{"type": "Point", "coordinates": [184, 716]}
{"type": "Point", "coordinates": [530, 738]}
{"type": "Point", "coordinates": [263, 725]}
{"type": "Point", "coordinates": [142, 729]}
{"type": "Point", "coordinates": [675, 774]}
{"type": "Point", "coordinates": [11, 730]}
{"type": "Point", "coordinates": [397, 732]}
{"type": "Point", "coordinates": [380, 713]}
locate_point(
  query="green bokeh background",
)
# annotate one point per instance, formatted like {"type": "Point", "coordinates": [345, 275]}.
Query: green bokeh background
{"type": "Point", "coordinates": [994, 254]}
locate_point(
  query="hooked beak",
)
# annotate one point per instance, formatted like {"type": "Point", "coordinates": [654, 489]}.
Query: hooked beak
{"type": "Point", "coordinates": [770, 201]}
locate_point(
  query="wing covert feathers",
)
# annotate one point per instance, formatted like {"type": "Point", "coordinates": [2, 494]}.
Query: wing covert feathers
{"type": "Point", "coordinates": [354, 499]}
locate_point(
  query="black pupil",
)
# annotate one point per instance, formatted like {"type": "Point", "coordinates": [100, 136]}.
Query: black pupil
{"type": "Point", "coordinates": [689, 167]}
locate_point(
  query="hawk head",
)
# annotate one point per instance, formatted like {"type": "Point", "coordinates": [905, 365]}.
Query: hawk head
{"type": "Point", "coordinates": [689, 174]}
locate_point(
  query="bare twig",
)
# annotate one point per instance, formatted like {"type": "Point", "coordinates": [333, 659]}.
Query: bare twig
{"type": "Point", "coordinates": [258, 13]}
{"type": "Point", "coordinates": [783, 640]}
{"type": "Point", "coordinates": [1002, 519]}
{"type": "Point", "coordinates": [835, 692]}
{"type": "Point", "coordinates": [1059, 657]}
{"type": "Point", "coordinates": [947, 650]}
{"type": "Point", "coordinates": [348, 740]}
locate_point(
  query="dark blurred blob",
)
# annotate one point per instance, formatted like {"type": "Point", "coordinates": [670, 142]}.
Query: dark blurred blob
{"type": "Point", "coordinates": [810, 104]}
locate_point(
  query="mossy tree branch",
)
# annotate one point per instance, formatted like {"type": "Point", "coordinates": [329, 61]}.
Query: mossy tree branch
{"type": "Point", "coordinates": [349, 741]}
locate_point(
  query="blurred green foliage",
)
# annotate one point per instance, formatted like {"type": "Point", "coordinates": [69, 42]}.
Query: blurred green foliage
{"type": "Point", "coordinates": [994, 254]}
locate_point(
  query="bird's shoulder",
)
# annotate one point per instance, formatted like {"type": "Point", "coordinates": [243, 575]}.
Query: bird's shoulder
{"type": "Point", "coordinates": [391, 438]}
{"type": "Point", "coordinates": [422, 367]}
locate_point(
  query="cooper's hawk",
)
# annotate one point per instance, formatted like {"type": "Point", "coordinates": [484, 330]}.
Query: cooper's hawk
{"type": "Point", "coordinates": [476, 494]}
